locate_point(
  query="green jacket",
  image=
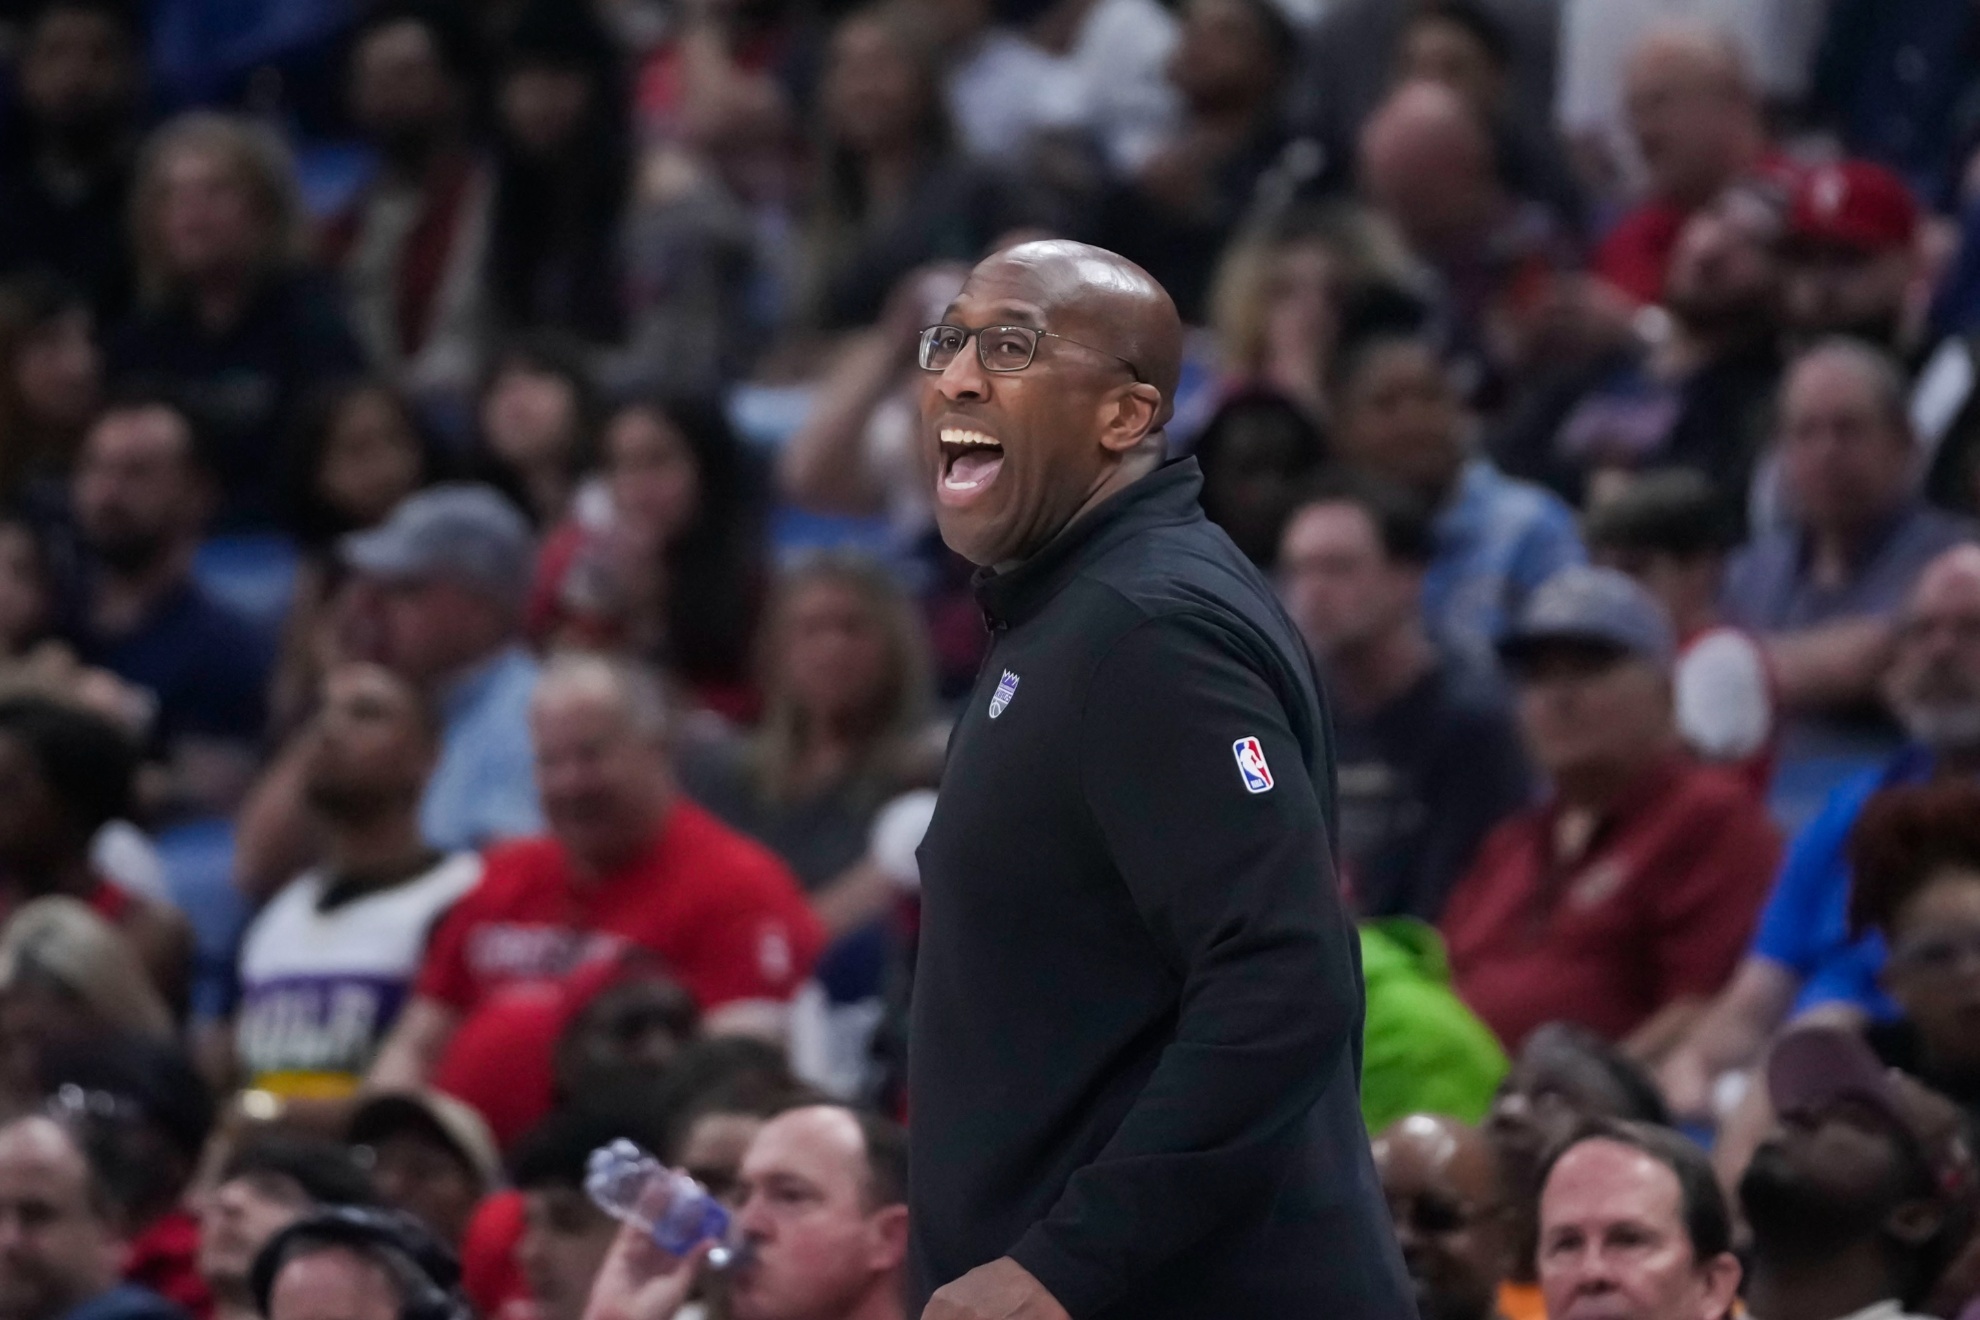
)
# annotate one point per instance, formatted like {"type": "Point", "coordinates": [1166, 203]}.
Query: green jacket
{"type": "Point", "coordinates": [1425, 1052]}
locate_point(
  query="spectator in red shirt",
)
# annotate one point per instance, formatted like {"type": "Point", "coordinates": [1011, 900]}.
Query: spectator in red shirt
{"type": "Point", "coordinates": [1624, 900]}
{"type": "Point", "coordinates": [627, 863]}
{"type": "Point", "coordinates": [1697, 122]}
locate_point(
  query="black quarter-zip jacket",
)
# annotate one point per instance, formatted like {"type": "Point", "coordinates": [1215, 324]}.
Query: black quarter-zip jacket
{"type": "Point", "coordinates": [1137, 1009]}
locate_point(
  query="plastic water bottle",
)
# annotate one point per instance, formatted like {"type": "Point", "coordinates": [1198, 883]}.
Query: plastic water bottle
{"type": "Point", "coordinates": [617, 1176]}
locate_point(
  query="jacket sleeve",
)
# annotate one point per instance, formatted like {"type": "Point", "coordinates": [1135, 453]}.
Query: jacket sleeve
{"type": "Point", "coordinates": [1234, 884]}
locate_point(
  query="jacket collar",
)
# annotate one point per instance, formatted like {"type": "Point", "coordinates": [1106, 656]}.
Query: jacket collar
{"type": "Point", "coordinates": [1167, 496]}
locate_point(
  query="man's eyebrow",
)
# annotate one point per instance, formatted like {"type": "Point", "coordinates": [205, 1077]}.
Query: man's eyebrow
{"type": "Point", "coordinates": [1005, 313]}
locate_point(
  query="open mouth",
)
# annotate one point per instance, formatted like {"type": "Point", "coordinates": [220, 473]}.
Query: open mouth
{"type": "Point", "coordinates": [970, 462]}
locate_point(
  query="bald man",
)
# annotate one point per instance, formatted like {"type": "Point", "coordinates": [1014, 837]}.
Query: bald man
{"type": "Point", "coordinates": [1696, 118]}
{"type": "Point", "coordinates": [1134, 1062]}
{"type": "Point", "coordinates": [1446, 1196]}
{"type": "Point", "coordinates": [1426, 160]}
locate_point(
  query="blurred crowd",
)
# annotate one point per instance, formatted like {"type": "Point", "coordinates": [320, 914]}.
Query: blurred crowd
{"type": "Point", "coordinates": [475, 654]}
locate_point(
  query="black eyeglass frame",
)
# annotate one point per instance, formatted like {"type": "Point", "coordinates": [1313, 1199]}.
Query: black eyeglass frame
{"type": "Point", "coordinates": [924, 344]}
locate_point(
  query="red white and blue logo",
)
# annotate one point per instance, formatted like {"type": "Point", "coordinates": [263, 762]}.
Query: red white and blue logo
{"type": "Point", "coordinates": [1251, 764]}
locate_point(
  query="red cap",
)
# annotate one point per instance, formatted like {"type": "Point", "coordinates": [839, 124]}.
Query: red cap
{"type": "Point", "coordinates": [1853, 204]}
{"type": "Point", "coordinates": [502, 1061]}
{"type": "Point", "coordinates": [1813, 1067]}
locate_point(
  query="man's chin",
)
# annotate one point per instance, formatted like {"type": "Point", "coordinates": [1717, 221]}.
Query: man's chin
{"type": "Point", "coordinates": [964, 532]}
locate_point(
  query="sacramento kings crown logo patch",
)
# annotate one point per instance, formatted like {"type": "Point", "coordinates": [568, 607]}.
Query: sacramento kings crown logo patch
{"type": "Point", "coordinates": [1006, 689]}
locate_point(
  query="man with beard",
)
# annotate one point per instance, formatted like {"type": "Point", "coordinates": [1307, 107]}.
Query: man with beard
{"type": "Point", "coordinates": [326, 966]}
{"type": "Point", "coordinates": [65, 176]}
{"type": "Point", "coordinates": [1700, 396]}
{"type": "Point", "coordinates": [1852, 255]}
{"type": "Point", "coordinates": [1805, 953]}
{"type": "Point", "coordinates": [141, 495]}
{"type": "Point", "coordinates": [1863, 1192]}
{"type": "Point", "coordinates": [1453, 1217]}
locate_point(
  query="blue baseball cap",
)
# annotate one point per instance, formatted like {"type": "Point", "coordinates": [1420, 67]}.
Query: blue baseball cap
{"type": "Point", "coordinates": [1599, 606]}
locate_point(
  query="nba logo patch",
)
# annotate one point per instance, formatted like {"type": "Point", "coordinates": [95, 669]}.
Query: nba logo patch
{"type": "Point", "coordinates": [1251, 764]}
{"type": "Point", "coordinates": [1006, 689]}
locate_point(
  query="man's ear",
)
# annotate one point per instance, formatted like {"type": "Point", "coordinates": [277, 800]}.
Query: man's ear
{"type": "Point", "coordinates": [1914, 1222]}
{"type": "Point", "coordinates": [1722, 1275]}
{"type": "Point", "coordinates": [887, 1230]}
{"type": "Point", "coordinates": [1128, 416]}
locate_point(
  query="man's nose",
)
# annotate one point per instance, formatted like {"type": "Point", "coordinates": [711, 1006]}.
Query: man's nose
{"type": "Point", "coordinates": [753, 1219]}
{"type": "Point", "coordinates": [1593, 1272]}
{"type": "Point", "coordinates": [964, 379]}
{"type": "Point", "coordinates": [1406, 1235]}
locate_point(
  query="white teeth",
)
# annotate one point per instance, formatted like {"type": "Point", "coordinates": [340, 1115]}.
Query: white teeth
{"type": "Point", "coordinates": [956, 436]}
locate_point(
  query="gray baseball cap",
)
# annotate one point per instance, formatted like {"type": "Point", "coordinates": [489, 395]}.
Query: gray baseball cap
{"type": "Point", "coordinates": [1596, 605]}
{"type": "Point", "coordinates": [462, 531]}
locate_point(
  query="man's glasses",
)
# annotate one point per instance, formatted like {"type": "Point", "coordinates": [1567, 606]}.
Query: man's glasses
{"type": "Point", "coordinates": [1436, 1216]}
{"type": "Point", "coordinates": [1942, 953]}
{"type": "Point", "coordinates": [71, 1104]}
{"type": "Point", "coordinates": [998, 347]}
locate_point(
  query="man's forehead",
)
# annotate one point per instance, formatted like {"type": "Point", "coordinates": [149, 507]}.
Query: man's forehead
{"type": "Point", "coordinates": [1629, 1184]}
{"type": "Point", "coordinates": [1044, 278]}
{"type": "Point", "coordinates": [816, 1144]}
{"type": "Point", "coordinates": [985, 307]}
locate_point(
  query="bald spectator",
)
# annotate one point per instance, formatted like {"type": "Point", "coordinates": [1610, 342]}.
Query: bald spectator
{"type": "Point", "coordinates": [1696, 119]}
{"type": "Point", "coordinates": [1633, 1226]}
{"type": "Point", "coordinates": [1821, 591]}
{"type": "Point", "coordinates": [822, 1205]}
{"type": "Point", "coordinates": [60, 1242]}
{"type": "Point", "coordinates": [1471, 49]}
{"type": "Point", "coordinates": [1622, 901]}
{"type": "Point", "coordinates": [1806, 953]}
{"type": "Point", "coordinates": [1428, 162]}
{"type": "Point", "coordinates": [1355, 51]}
{"type": "Point", "coordinates": [628, 862]}
{"type": "Point", "coordinates": [1441, 1179]}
